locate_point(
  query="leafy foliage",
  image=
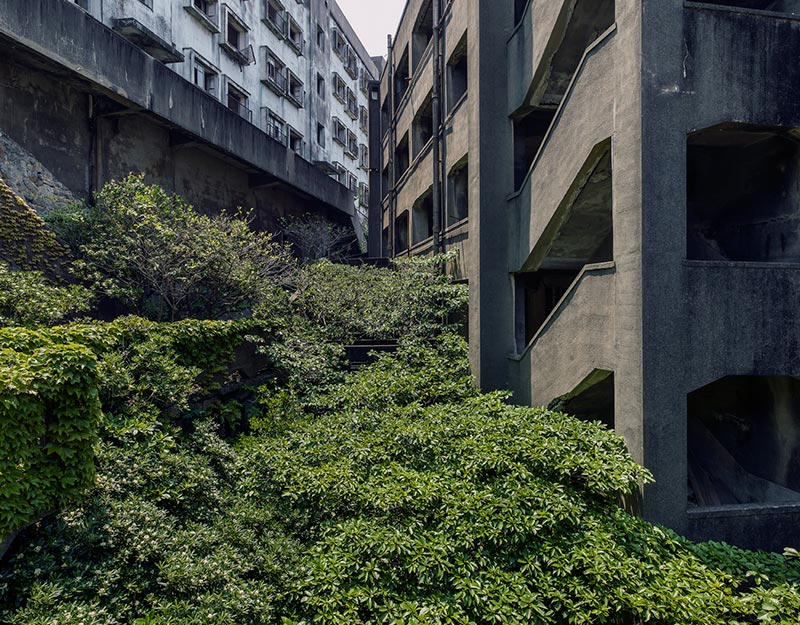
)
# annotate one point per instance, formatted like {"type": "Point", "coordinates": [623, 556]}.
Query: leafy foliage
{"type": "Point", "coordinates": [347, 303]}
{"type": "Point", "coordinates": [161, 259]}
{"type": "Point", "coordinates": [28, 298]}
{"type": "Point", "coordinates": [49, 411]}
{"type": "Point", "coordinates": [315, 238]}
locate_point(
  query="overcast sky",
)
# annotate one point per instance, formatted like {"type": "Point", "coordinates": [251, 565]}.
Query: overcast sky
{"type": "Point", "coordinates": [373, 20]}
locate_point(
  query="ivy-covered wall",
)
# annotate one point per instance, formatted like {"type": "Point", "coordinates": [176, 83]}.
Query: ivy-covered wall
{"type": "Point", "coordinates": [25, 242]}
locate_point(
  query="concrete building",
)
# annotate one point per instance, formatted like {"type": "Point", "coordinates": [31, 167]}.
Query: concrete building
{"type": "Point", "coordinates": [622, 178]}
{"type": "Point", "coordinates": [252, 103]}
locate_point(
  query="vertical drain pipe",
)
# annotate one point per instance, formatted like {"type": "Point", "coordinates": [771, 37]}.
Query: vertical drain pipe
{"type": "Point", "coordinates": [392, 139]}
{"type": "Point", "coordinates": [437, 122]}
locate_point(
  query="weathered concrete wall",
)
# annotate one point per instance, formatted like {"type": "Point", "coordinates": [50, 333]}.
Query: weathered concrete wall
{"type": "Point", "coordinates": [30, 179]}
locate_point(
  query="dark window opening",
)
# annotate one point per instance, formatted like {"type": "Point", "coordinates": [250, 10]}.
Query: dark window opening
{"type": "Point", "coordinates": [401, 158]}
{"type": "Point", "coordinates": [422, 218]}
{"type": "Point", "coordinates": [744, 441]}
{"type": "Point", "coordinates": [519, 9]}
{"type": "Point", "coordinates": [321, 135]}
{"type": "Point", "coordinates": [742, 194]}
{"type": "Point", "coordinates": [458, 194]}
{"type": "Point", "coordinates": [401, 79]}
{"type": "Point", "coordinates": [401, 233]}
{"type": "Point", "coordinates": [529, 132]}
{"type": "Point", "coordinates": [422, 126]}
{"type": "Point", "coordinates": [592, 400]}
{"type": "Point", "coordinates": [421, 35]}
{"type": "Point", "coordinates": [583, 236]}
{"type": "Point", "coordinates": [385, 119]}
{"type": "Point", "coordinates": [385, 182]}
{"type": "Point", "coordinates": [781, 6]}
{"type": "Point", "coordinates": [457, 75]}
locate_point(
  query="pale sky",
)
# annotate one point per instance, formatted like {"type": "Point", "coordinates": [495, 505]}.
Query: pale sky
{"type": "Point", "coordinates": [373, 20]}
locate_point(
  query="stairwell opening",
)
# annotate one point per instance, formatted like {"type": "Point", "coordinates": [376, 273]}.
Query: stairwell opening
{"type": "Point", "coordinates": [743, 194]}
{"type": "Point", "coordinates": [744, 441]}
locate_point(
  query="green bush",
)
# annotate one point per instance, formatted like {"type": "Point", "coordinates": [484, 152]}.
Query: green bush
{"type": "Point", "coordinates": [161, 259]}
{"type": "Point", "coordinates": [29, 299]}
{"type": "Point", "coordinates": [348, 303]}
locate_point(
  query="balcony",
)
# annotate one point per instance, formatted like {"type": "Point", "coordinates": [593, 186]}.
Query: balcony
{"type": "Point", "coordinates": [141, 36]}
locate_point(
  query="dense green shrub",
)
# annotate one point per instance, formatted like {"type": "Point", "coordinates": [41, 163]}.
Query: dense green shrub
{"type": "Point", "coordinates": [27, 298]}
{"type": "Point", "coordinates": [49, 411]}
{"type": "Point", "coordinates": [160, 258]}
{"type": "Point", "coordinates": [347, 303]}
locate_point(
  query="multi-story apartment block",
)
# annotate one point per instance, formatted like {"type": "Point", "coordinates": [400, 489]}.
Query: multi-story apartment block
{"type": "Point", "coordinates": [621, 176]}
{"type": "Point", "coordinates": [253, 103]}
{"type": "Point", "coordinates": [294, 68]}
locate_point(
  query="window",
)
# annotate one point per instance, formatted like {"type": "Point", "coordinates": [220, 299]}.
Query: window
{"type": "Point", "coordinates": [339, 88]}
{"type": "Point", "coordinates": [274, 17]}
{"type": "Point", "coordinates": [352, 183]}
{"type": "Point", "coordinates": [206, 12]}
{"type": "Point", "coordinates": [363, 194]}
{"type": "Point", "coordinates": [352, 104]}
{"type": "Point", "coordinates": [352, 145]}
{"type": "Point", "coordinates": [274, 73]}
{"type": "Point", "coordinates": [363, 118]}
{"type": "Point", "coordinates": [321, 135]}
{"type": "Point", "coordinates": [458, 194]}
{"type": "Point", "coordinates": [351, 64]}
{"type": "Point", "coordinates": [341, 172]}
{"type": "Point", "coordinates": [237, 99]}
{"type": "Point", "coordinates": [339, 132]}
{"type": "Point", "coordinates": [296, 142]}
{"type": "Point", "coordinates": [363, 81]}
{"type": "Point", "coordinates": [320, 37]}
{"type": "Point", "coordinates": [457, 75]}
{"type": "Point", "coordinates": [320, 86]}
{"type": "Point", "coordinates": [294, 88]}
{"type": "Point", "coordinates": [236, 39]}
{"type": "Point", "coordinates": [339, 44]}
{"type": "Point", "coordinates": [422, 34]}
{"type": "Point", "coordinates": [294, 36]}
{"type": "Point", "coordinates": [363, 161]}
{"type": "Point", "coordinates": [276, 127]}
{"type": "Point", "coordinates": [204, 75]}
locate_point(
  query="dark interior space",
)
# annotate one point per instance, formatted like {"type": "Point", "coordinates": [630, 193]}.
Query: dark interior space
{"type": "Point", "coordinates": [457, 74]}
{"type": "Point", "coordinates": [529, 132]}
{"type": "Point", "coordinates": [742, 198]}
{"type": "Point", "coordinates": [401, 79]}
{"type": "Point", "coordinates": [402, 158]}
{"type": "Point", "coordinates": [458, 193]}
{"type": "Point", "coordinates": [593, 400]}
{"type": "Point", "coordinates": [422, 34]}
{"type": "Point", "coordinates": [423, 126]}
{"type": "Point", "coordinates": [744, 441]}
{"type": "Point", "coordinates": [519, 9]}
{"type": "Point", "coordinates": [422, 218]}
{"type": "Point", "coordinates": [783, 6]}
{"type": "Point", "coordinates": [401, 233]}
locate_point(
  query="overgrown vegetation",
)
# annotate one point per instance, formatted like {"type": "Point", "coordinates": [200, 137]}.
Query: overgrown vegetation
{"type": "Point", "coordinates": [235, 487]}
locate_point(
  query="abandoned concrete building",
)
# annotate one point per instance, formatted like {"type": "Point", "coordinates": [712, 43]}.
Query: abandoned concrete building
{"type": "Point", "coordinates": [622, 178]}
{"type": "Point", "coordinates": [259, 104]}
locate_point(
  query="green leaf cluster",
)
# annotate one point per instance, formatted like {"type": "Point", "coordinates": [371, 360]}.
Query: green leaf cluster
{"type": "Point", "coordinates": [28, 298]}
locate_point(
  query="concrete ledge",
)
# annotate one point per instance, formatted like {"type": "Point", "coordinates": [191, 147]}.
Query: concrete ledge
{"type": "Point", "coordinates": [766, 526]}
{"type": "Point", "coordinates": [67, 36]}
{"type": "Point", "coordinates": [704, 6]}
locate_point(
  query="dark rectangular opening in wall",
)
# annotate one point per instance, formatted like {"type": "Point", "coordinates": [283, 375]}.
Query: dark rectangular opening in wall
{"type": "Point", "coordinates": [458, 193]}
{"type": "Point", "coordinates": [537, 294]}
{"type": "Point", "coordinates": [385, 118]}
{"type": "Point", "coordinates": [743, 191]}
{"type": "Point", "coordinates": [422, 34]}
{"type": "Point", "coordinates": [385, 182]}
{"type": "Point", "coordinates": [401, 233]}
{"type": "Point", "coordinates": [422, 218]}
{"type": "Point", "coordinates": [781, 6]}
{"type": "Point", "coordinates": [529, 132]}
{"type": "Point", "coordinates": [422, 126]}
{"type": "Point", "coordinates": [592, 400]}
{"type": "Point", "coordinates": [744, 441]}
{"type": "Point", "coordinates": [457, 75]}
{"type": "Point", "coordinates": [401, 157]}
{"type": "Point", "coordinates": [401, 79]}
{"type": "Point", "coordinates": [519, 9]}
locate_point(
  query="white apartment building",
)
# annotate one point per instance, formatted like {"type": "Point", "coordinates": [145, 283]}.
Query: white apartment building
{"type": "Point", "coordinates": [293, 68]}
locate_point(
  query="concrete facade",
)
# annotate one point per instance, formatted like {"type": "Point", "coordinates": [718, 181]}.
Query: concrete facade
{"type": "Point", "coordinates": [96, 89]}
{"type": "Point", "coordinates": [631, 240]}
